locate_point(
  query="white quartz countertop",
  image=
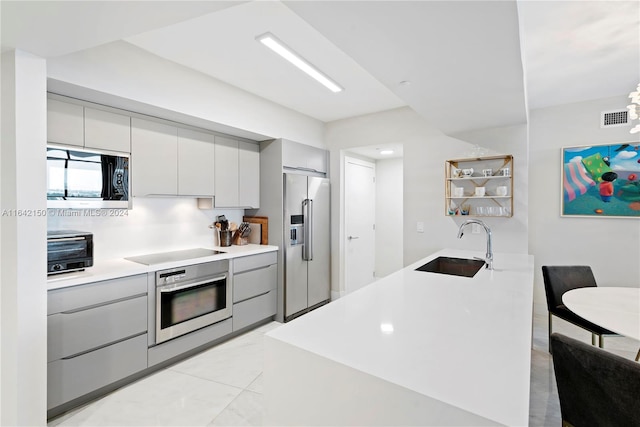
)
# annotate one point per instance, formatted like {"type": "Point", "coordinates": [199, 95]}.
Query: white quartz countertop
{"type": "Point", "coordinates": [120, 267]}
{"type": "Point", "coordinates": [463, 341]}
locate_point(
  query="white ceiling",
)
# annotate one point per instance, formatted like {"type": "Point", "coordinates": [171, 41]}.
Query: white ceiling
{"type": "Point", "coordinates": [464, 60]}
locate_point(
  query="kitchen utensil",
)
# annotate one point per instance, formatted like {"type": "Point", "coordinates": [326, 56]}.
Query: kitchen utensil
{"type": "Point", "coordinates": [224, 237]}
{"type": "Point", "coordinates": [246, 230]}
{"type": "Point", "coordinates": [224, 223]}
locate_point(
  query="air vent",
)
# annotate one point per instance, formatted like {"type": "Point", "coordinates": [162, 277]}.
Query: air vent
{"type": "Point", "coordinates": [614, 118]}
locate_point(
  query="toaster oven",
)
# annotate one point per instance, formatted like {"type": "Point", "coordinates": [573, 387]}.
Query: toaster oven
{"type": "Point", "coordinates": [69, 250]}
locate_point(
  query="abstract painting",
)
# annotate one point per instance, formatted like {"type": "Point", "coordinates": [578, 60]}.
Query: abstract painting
{"type": "Point", "coordinates": [601, 180]}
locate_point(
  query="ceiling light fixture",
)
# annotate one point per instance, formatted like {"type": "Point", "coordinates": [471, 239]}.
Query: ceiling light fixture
{"type": "Point", "coordinates": [386, 328]}
{"type": "Point", "coordinates": [287, 53]}
{"type": "Point", "coordinates": [386, 152]}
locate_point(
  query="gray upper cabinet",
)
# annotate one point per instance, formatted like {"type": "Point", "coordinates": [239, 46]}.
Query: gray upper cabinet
{"type": "Point", "coordinates": [196, 159]}
{"type": "Point", "coordinates": [154, 151]}
{"type": "Point", "coordinates": [166, 160]}
{"type": "Point", "coordinates": [107, 131]}
{"type": "Point", "coordinates": [304, 157]}
{"type": "Point", "coordinates": [226, 172]}
{"type": "Point", "coordinates": [237, 173]}
{"type": "Point", "coordinates": [249, 174]}
{"type": "Point", "coordinates": [73, 124]}
{"type": "Point", "coordinates": [171, 161]}
{"type": "Point", "coordinates": [65, 123]}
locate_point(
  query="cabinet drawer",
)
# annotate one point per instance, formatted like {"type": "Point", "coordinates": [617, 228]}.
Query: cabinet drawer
{"type": "Point", "coordinates": [252, 262]}
{"type": "Point", "coordinates": [75, 297]}
{"type": "Point", "coordinates": [254, 282]}
{"type": "Point", "coordinates": [254, 310]}
{"type": "Point", "coordinates": [68, 379]}
{"type": "Point", "coordinates": [74, 332]}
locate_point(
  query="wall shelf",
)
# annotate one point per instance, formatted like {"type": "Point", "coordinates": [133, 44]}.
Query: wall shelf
{"type": "Point", "coordinates": [494, 174]}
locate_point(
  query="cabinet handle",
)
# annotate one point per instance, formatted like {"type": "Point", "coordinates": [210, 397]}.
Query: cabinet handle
{"type": "Point", "coordinates": [89, 307]}
{"type": "Point", "coordinates": [353, 237]}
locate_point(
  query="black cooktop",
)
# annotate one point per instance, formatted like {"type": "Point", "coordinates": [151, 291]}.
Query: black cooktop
{"type": "Point", "coordinates": [183, 255]}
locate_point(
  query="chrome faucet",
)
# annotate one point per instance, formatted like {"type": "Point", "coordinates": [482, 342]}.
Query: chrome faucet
{"type": "Point", "coordinates": [489, 255]}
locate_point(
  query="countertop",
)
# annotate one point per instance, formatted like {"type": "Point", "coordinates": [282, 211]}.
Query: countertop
{"type": "Point", "coordinates": [120, 267]}
{"type": "Point", "coordinates": [463, 341]}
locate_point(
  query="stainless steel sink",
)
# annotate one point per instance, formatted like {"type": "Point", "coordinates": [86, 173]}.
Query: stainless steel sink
{"type": "Point", "coordinates": [453, 266]}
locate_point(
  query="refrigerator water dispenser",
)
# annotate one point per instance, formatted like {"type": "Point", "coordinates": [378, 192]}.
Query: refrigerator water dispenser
{"type": "Point", "coordinates": [297, 230]}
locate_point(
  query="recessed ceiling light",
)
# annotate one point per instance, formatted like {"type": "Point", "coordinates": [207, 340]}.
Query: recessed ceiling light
{"type": "Point", "coordinates": [386, 328]}
{"type": "Point", "coordinates": [386, 152]}
{"type": "Point", "coordinates": [287, 53]}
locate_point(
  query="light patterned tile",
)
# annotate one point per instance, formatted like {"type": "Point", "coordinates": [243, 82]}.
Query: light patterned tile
{"type": "Point", "coordinates": [164, 399]}
{"type": "Point", "coordinates": [257, 384]}
{"type": "Point", "coordinates": [246, 410]}
{"type": "Point", "coordinates": [263, 329]}
{"type": "Point", "coordinates": [237, 363]}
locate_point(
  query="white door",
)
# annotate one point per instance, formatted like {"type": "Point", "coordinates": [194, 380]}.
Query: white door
{"type": "Point", "coordinates": [360, 208]}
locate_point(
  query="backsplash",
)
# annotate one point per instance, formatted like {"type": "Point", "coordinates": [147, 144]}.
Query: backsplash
{"type": "Point", "coordinates": [153, 225]}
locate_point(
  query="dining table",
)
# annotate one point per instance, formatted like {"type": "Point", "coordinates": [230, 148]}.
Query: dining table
{"type": "Point", "coordinates": [613, 308]}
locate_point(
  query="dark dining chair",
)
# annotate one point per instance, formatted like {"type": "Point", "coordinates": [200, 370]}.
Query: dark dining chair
{"type": "Point", "coordinates": [595, 387]}
{"type": "Point", "coordinates": [560, 279]}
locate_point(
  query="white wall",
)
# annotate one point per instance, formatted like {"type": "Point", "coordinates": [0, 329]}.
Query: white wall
{"type": "Point", "coordinates": [389, 210]}
{"type": "Point", "coordinates": [153, 225]}
{"type": "Point", "coordinates": [129, 72]}
{"type": "Point", "coordinates": [425, 151]}
{"type": "Point", "coordinates": [611, 246]}
{"type": "Point", "coordinates": [513, 232]}
{"type": "Point", "coordinates": [23, 286]}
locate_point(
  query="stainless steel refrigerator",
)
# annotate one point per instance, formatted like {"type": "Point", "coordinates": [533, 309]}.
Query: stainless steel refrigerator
{"type": "Point", "coordinates": [307, 238]}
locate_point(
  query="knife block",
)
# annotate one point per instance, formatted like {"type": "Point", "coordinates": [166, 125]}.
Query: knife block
{"type": "Point", "coordinates": [239, 240]}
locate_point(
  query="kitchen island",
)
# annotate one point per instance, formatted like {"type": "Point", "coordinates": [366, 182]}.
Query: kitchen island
{"type": "Point", "coordinates": [413, 348]}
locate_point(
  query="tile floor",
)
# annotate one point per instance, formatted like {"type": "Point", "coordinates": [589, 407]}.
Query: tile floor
{"type": "Point", "coordinates": [223, 386]}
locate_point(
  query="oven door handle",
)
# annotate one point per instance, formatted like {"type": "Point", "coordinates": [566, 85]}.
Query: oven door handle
{"type": "Point", "coordinates": [192, 285]}
{"type": "Point", "coordinates": [66, 239]}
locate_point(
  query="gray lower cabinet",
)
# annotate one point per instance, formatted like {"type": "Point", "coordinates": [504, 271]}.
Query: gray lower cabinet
{"type": "Point", "coordinates": [97, 335]}
{"type": "Point", "coordinates": [73, 377]}
{"type": "Point", "coordinates": [254, 289]}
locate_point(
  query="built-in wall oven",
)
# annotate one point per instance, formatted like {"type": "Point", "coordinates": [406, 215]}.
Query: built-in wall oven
{"type": "Point", "coordinates": [192, 297]}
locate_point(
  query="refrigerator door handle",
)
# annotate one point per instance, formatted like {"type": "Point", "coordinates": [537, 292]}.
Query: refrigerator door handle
{"type": "Point", "coordinates": [307, 211]}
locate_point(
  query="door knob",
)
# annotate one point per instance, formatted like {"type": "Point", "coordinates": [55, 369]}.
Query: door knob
{"type": "Point", "coordinates": [353, 237]}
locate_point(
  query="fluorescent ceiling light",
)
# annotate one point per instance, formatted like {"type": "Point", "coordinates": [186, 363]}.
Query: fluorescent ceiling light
{"type": "Point", "coordinates": [283, 50]}
{"type": "Point", "coordinates": [385, 152]}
